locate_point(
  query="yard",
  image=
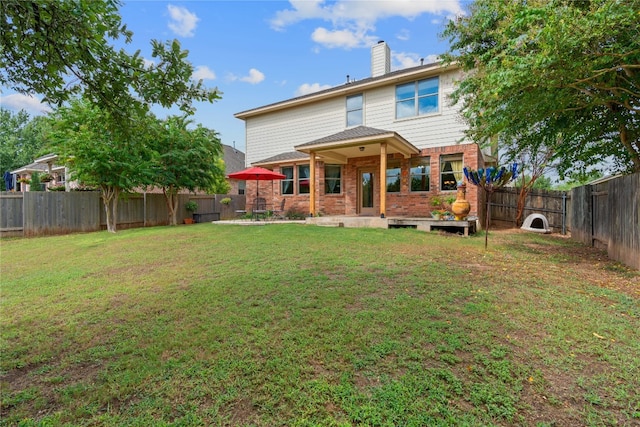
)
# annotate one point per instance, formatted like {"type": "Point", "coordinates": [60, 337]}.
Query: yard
{"type": "Point", "coordinates": [293, 325]}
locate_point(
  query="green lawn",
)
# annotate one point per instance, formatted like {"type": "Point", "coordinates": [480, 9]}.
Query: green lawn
{"type": "Point", "coordinates": [294, 325]}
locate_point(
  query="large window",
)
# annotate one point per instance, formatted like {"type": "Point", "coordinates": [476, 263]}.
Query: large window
{"type": "Point", "coordinates": [303, 179]}
{"type": "Point", "coordinates": [419, 174]}
{"type": "Point", "coordinates": [354, 110]}
{"type": "Point", "coordinates": [393, 177]}
{"type": "Point", "coordinates": [450, 172]}
{"type": "Point", "coordinates": [332, 179]}
{"type": "Point", "coordinates": [287, 182]}
{"type": "Point", "coordinates": [417, 98]}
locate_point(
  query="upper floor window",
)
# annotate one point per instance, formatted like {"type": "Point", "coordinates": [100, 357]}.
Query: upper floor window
{"type": "Point", "coordinates": [450, 172]}
{"type": "Point", "coordinates": [354, 110]}
{"type": "Point", "coordinates": [332, 179]}
{"type": "Point", "coordinates": [303, 179]}
{"type": "Point", "coordinates": [417, 98]}
{"type": "Point", "coordinates": [287, 182]}
{"type": "Point", "coordinates": [393, 177]}
{"type": "Point", "coordinates": [419, 174]}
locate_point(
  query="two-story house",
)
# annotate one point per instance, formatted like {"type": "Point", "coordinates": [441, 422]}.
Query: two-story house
{"type": "Point", "coordinates": [380, 146]}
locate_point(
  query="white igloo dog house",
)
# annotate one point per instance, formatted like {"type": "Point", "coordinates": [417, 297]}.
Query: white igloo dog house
{"type": "Point", "coordinates": [537, 223]}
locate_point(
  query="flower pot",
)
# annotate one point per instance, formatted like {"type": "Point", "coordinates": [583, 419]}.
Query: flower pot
{"type": "Point", "coordinates": [188, 221]}
{"type": "Point", "coordinates": [461, 206]}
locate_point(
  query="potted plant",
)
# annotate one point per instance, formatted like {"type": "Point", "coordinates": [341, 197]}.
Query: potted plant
{"type": "Point", "coordinates": [437, 212]}
{"type": "Point", "coordinates": [46, 177]}
{"type": "Point", "coordinates": [191, 206]}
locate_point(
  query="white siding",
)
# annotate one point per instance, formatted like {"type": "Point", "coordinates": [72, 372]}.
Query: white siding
{"type": "Point", "coordinates": [275, 133]}
{"type": "Point", "coordinates": [441, 129]}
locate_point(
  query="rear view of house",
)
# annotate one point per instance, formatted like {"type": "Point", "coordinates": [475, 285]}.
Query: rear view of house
{"type": "Point", "coordinates": [381, 146]}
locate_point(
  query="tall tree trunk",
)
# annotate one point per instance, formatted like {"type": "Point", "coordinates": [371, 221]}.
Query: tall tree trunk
{"type": "Point", "coordinates": [171, 200]}
{"type": "Point", "coordinates": [110, 201]}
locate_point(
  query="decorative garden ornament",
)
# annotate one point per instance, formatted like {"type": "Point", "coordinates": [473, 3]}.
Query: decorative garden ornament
{"type": "Point", "coordinates": [461, 206]}
{"type": "Point", "coordinates": [491, 179]}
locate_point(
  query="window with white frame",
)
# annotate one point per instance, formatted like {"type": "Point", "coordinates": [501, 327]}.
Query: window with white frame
{"type": "Point", "coordinates": [420, 174]}
{"type": "Point", "coordinates": [417, 98]}
{"type": "Point", "coordinates": [354, 110]}
{"type": "Point", "coordinates": [332, 179]}
{"type": "Point", "coordinates": [286, 184]}
{"type": "Point", "coordinates": [450, 172]}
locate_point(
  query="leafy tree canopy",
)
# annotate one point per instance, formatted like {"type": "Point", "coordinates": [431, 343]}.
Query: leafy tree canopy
{"type": "Point", "coordinates": [100, 152]}
{"type": "Point", "coordinates": [63, 48]}
{"type": "Point", "coordinates": [22, 139]}
{"type": "Point", "coordinates": [563, 75]}
{"type": "Point", "coordinates": [186, 158]}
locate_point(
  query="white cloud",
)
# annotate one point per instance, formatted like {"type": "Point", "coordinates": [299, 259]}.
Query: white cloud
{"type": "Point", "coordinates": [401, 60]}
{"type": "Point", "coordinates": [148, 63]}
{"type": "Point", "coordinates": [307, 88]}
{"type": "Point", "coordinates": [403, 35]}
{"type": "Point", "coordinates": [254, 77]}
{"type": "Point", "coordinates": [30, 104]}
{"type": "Point", "coordinates": [202, 72]}
{"type": "Point", "coordinates": [353, 21]}
{"type": "Point", "coordinates": [182, 21]}
{"type": "Point", "coordinates": [342, 38]}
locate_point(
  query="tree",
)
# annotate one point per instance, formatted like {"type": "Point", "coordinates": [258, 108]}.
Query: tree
{"type": "Point", "coordinates": [62, 49]}
{"type": "Point", "coordinates": [22, 139]}
{"type": "Point", "coordinates": [100, 152]}
{"type": "Point", "coordinates": [563, 74]}
{"type": "Point", "coordinates": [186, 159]}
{"type": "Point", "coordinates": [535, 159]}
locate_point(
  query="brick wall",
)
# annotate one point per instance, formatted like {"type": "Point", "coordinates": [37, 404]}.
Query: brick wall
{"type": "Point", "coordinates": [403, 204]}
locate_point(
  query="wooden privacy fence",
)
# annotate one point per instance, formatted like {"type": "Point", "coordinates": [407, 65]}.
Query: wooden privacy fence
{"type": "Point", "coordinates": [44, 213]}
{"type": "Point", "coordinates": [556, 206]}
{"type": "Point", "coordinates": [606, 215]}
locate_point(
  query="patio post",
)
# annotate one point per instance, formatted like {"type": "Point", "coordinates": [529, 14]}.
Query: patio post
{"type": "Point", "coordinates": [312, 184]}
{"type": "Point", "coordinates": [383, 179]}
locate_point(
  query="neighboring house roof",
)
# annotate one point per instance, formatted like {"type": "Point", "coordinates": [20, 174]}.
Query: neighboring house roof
{"type": "Point", "coordinates": [233, 159]}
{"type": "Point", "coordinates": [282, 158]}
{"type": "Point", "coordinates": [349, 87]}
{"type": "Point", "coordinates": [32, 167]}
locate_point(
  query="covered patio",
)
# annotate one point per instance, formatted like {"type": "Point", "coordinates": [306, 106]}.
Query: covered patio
{"type": "Point", "coordinates": [354, 143]}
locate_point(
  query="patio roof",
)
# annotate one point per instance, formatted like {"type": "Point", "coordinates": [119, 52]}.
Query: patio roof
{"type": "Point", "coordinates": [290, 156]}
{"type": "Point", "coordinates": [360, 141]}
{"type": "Point", "coordinates": [32, 167]}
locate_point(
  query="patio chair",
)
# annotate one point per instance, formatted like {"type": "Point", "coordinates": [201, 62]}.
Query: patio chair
{"type": "Point", "coordinates": [279, 212]}
{"type": "Point", "coordinates": [259, 207]}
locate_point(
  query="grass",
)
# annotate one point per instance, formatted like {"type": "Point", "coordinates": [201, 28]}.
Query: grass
{"type": "Point", "coordinates": [293, 325]}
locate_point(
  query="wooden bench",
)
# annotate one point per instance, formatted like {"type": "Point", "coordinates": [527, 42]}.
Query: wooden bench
{"type": "Point", "coordinates": [206, 217]}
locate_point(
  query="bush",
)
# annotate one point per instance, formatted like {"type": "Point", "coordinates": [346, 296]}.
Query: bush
{"type": "Point", "coordinates": [293, 213]}
{"type": "Point", "coordinates": [191, 206]}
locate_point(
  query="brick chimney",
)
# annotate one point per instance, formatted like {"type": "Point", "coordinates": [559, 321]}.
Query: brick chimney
{"type": "Point", "coordinates": [380, 59]}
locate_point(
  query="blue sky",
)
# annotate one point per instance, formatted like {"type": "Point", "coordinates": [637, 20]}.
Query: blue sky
{"type": "Point", "coordinates": [259, 52]}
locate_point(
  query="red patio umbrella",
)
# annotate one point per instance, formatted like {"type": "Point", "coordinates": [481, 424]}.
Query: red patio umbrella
{"type": "Point", "coordinates": [257, 173]}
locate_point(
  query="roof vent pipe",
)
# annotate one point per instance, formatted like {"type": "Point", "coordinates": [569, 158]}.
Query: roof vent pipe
{"type": "Point", "coordinates": [421, 61]}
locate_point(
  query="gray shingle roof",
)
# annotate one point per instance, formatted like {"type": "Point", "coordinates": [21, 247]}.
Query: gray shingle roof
{"type": "Point", "coordinates": [353, 133]}
{"type": "Point", "coordinates": [284, 157]}
{"type": "Point", "coordinates": [233, 159]}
